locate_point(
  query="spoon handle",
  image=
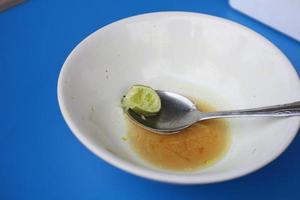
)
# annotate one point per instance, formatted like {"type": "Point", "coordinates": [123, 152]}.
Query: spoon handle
{"type": "Point", "coordinates": [283, 110]}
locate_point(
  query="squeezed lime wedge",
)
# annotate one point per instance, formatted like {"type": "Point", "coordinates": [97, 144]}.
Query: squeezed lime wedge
{"type": "Point", "coordinates": [142, 100]}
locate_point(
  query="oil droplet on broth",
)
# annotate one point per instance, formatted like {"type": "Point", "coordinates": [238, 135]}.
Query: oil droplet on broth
{"type": "Point", "coordinates": [196, 147]}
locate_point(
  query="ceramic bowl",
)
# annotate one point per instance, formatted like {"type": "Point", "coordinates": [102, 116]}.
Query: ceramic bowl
{"type": "Point", "coordinates": [207, 57]}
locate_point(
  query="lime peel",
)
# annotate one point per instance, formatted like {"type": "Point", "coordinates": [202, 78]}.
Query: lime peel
{"type": "Point", "coordinates": [142, 99]}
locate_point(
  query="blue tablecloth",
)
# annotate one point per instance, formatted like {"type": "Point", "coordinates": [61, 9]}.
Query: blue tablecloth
{"type": "Point", "coordinates": [39, 156]}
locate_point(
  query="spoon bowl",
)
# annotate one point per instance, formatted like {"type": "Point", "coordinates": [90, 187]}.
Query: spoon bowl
{"type": "Point", "coordinates": [177, 112]}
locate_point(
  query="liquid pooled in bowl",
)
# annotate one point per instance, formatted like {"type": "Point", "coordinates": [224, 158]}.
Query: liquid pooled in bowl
{"type": "Point", "coordinates": [196, 147]}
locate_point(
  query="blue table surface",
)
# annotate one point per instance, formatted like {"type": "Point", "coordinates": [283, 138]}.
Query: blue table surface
{"type": "Point", "coordinates": [39, 156]}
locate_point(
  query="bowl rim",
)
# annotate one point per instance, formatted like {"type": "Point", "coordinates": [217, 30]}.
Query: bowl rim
{"type": "Point", "coordinates": [152, 174]}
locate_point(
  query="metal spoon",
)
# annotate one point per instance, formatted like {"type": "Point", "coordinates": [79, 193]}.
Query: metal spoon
{"type": "Point", "coordinates": [178, 112]}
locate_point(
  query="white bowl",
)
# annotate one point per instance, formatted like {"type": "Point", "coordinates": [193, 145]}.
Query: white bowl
{"type": "Point", "coordinates": [200, 55]}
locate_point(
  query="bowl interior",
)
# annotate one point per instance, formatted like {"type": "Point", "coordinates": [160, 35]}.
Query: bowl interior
{"type": "Point", "coordinates": [202, 56]}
